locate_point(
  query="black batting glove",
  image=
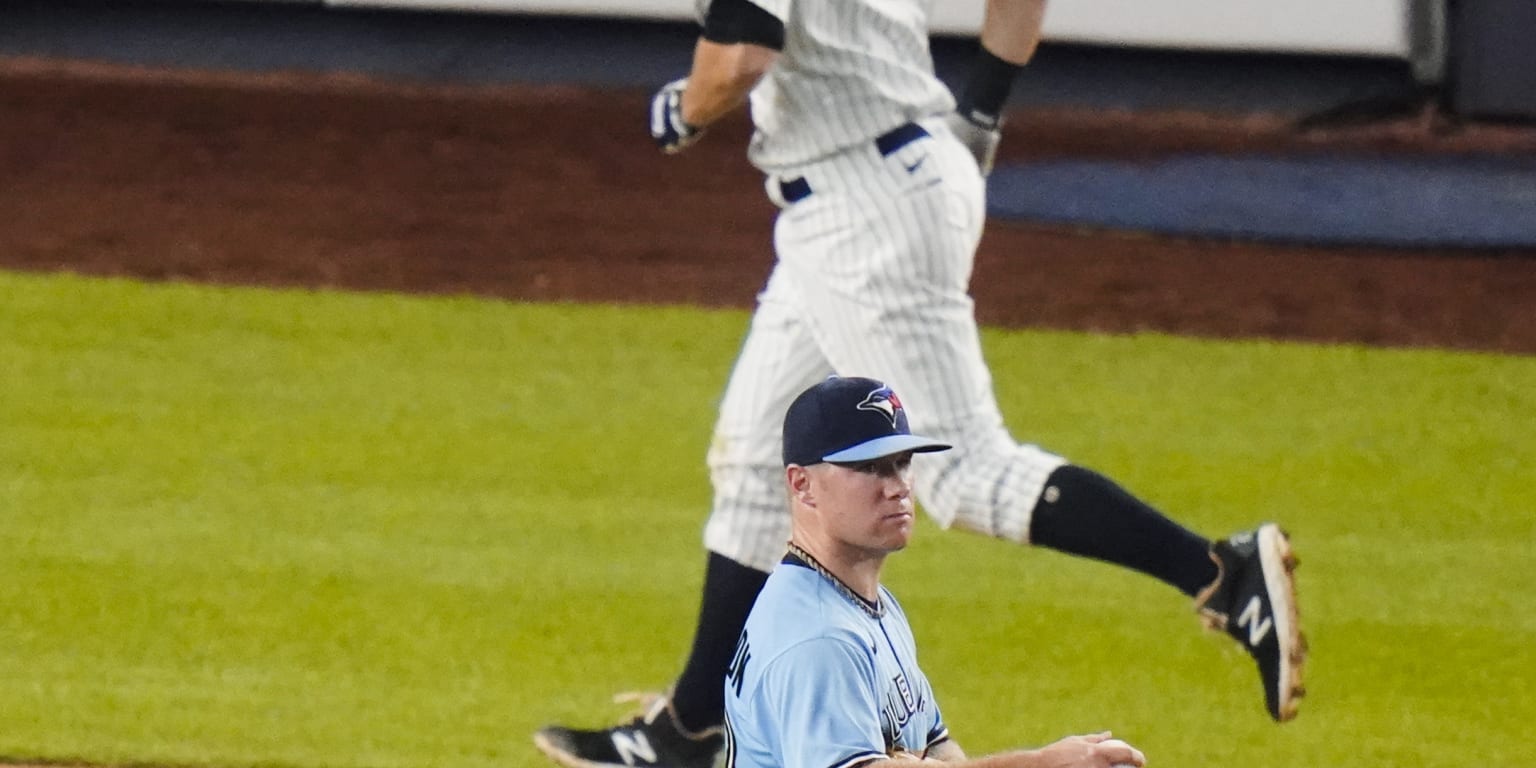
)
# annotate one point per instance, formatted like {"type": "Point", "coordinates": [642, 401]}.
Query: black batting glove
{"type": "Point", "coordinates": [667, 126]}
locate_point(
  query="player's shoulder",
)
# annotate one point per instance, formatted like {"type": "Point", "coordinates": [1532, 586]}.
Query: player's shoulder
{"type": "Point", "coordinates": [796, 605]}
{"type": "Point", "coordinates": [791, 590]}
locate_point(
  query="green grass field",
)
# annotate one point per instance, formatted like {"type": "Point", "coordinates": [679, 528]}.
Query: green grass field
{"type": "Point", "coordinates": [257, 528]}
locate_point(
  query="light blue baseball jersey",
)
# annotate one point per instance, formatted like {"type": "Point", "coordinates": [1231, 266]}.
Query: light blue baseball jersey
{"type": "Point", "coordinates": [823, 679]}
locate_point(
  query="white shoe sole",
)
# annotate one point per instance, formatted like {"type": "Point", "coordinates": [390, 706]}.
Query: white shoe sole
{"type": "Point", "coordinates": [1280, 582]}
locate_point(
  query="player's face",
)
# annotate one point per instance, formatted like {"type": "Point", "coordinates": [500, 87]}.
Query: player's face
{"type": "Point", "coordinates": [869, 504]}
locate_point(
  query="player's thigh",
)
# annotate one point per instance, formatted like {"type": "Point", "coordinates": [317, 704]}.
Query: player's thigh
{"type": "Point", "coordinates": [929, 351]}
{"type": "Point", "coordinates": [778, 360]}
{"type": "Point", "coordinates": [749, 518]}
{"type": "Point", "coordinates": [889, 299]}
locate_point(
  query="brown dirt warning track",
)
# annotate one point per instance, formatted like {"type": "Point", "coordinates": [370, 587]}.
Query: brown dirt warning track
{"type": "Point", "coordinates": [555, 193]}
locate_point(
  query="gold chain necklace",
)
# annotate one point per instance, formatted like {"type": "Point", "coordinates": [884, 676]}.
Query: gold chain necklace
{"type": "Point", "coordinates": [875, 611]}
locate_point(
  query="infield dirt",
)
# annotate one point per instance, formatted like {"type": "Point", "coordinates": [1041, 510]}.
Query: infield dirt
{"type": "Point", "coordinates": [555, 193]}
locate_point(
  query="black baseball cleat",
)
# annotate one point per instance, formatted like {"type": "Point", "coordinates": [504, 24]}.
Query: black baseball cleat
{"type": "Point", "coordinates": [653, 740]}
{"type": "Point", "coordinates": [1253, 599]}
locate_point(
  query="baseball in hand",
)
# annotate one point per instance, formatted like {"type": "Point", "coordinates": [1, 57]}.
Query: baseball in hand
{"type": "Point", "coordinates": [1123, 745]}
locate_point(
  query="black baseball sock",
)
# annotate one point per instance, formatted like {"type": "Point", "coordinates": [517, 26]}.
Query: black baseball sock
{"type": "Point", "coordinates": [730, 588]}
{"type": "Point", "coordinates": [1085, 513]}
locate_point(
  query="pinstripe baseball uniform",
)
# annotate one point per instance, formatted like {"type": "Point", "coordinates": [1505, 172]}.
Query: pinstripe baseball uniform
{"type": "Point", "coordinates": [881, 212]}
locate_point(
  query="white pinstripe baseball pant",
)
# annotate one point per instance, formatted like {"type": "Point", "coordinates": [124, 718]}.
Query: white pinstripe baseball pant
{"type": "Point", "coordinates": [872, 279]}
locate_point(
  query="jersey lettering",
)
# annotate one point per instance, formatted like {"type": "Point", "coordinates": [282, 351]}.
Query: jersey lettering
{"type": "Point", "coordinates": [899, 705]}
{"type": "Point", "coordinates": [737, 670]}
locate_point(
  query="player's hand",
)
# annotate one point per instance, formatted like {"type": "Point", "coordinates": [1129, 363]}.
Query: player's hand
{"type": "Point", "coordinates": [1094, 750]}
{"type": "Point", "coordinates": [980, 134]}
{"type": "Point", "coordinates": [667, 126]}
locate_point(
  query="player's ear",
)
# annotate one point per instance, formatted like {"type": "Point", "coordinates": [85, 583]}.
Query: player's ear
{"type": "Point", "coordinates": [798, 479]}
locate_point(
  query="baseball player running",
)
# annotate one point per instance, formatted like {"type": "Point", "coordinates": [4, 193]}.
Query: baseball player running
{"type": "Point", "coordinates": [826, 672]}
{"type": "Point", "coordinates": [878, 174]}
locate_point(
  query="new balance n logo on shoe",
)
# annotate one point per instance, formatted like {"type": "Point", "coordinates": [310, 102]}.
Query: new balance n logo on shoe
{"type": "Point", "coordinates": [652, 740]}
{"type": "Point", "coordinates": [633, 744]}
{"type": "Point", "coordinates": [1250, 618]}
{"type": "Point", "coordinates": [1254, 600]}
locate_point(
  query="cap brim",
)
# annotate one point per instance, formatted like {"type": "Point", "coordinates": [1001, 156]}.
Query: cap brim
{"type": "Point", "coordinates": [885, 446]}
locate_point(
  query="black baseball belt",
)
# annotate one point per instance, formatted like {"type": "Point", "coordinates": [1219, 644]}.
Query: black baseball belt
{"type": "Point", "coordinates": [797, 189]}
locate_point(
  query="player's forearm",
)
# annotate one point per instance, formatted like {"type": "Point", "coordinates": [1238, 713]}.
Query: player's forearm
{"type": "Point", "coordinates": [1010, 34]}
{"type": "Point", "coordinates": [947, 751]}
{"type": "Point", "coordinates": [1028, 758]}
{"type": "Point", "coordinates": [722, 76]}
{"type": "Point", "coordinates": [955, 758]}
{"type": "Point", "coordinates": [1094, 751]}
{"type": "Point", "coordinates": [1011, 29]}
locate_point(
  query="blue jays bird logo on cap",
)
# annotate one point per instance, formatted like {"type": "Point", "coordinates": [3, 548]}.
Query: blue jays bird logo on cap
{"type": "Point", "coordinates": [884, 401]}
{"type": "Point", "coordinates": [849, 419]}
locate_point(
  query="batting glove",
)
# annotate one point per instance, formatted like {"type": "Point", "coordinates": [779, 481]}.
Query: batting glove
{"type": "Point", "coordinates": [980, 134]}
{"type": "Point", "coordinates": [667, 126]}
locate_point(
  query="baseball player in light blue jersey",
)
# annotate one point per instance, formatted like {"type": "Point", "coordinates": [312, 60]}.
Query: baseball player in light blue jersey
{"type": "Point", "coordinates": [878, 173]}
{"type": "Point", "coordinates": [826, 674]}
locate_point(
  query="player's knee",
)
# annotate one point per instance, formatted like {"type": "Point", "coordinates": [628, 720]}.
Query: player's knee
{"type": "Point", "coordinates": [993, 494]}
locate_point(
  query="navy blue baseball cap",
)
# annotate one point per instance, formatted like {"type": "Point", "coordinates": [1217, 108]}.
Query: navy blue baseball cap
{"type": "Point", "coordinates": [849, 419]}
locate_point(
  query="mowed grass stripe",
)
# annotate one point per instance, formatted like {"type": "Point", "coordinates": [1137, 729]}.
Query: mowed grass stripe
{"type": "Point", "coordinates": [252, 527]}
